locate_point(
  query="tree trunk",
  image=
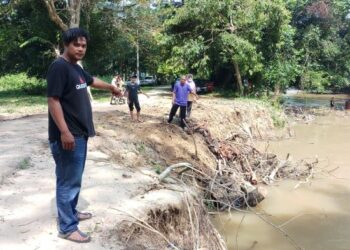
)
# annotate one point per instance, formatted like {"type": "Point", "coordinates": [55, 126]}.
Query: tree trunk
{"type": "Point", "coordinates": [53, 14]}
{"type": "Point", "coordinates": [238, 78]}
{"type": "Point", "coordinates": [74, 12]}
{"type": "Point", "coordinates": [277, 92]}
{"type": "Point", "coordinates": [74, 7]}
{"type": "Point", "coordinates": [138, 57]}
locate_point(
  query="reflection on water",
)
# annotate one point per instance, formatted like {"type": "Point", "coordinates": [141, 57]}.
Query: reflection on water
{"type": "Point", "coordinates": [314, 101]}
{"type": "Point", "coordinates": [319, 211]}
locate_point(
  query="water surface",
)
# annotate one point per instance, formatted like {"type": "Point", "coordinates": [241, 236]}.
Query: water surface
{"type": "Point", "coordinates": [318, 212]}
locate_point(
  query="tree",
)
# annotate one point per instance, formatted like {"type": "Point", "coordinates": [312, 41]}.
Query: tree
{"type": "Point", "coordinates": [26, 45]}
{"type": "Point", "coordinates": [72, 9]}
{"type": "Point", "coordinates": [205, 34]}
{"type": "Point", "coordinates": [322, 39]}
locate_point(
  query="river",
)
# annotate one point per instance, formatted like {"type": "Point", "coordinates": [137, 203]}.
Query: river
{"type": "Point", "coordinates": [317, 214]}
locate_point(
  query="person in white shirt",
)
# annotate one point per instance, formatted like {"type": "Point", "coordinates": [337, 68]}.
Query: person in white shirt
{"type": "Point", "coordinates": [118, 82]}
{"type": "Point", "coordinates": [192, 97]}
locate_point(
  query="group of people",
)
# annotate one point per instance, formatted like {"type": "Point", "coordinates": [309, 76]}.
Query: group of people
{"type": "Point", "coordinates": [71, 124]}
{"type": "Point", "coordinates": [184, 94]}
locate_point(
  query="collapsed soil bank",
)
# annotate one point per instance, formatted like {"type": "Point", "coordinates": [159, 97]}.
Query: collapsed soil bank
{"type": "Point", "coordinates": [232, 127]}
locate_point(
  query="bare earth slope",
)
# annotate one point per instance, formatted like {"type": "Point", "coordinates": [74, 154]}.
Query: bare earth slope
{"type": "Point", "coordinates": [120, 184]}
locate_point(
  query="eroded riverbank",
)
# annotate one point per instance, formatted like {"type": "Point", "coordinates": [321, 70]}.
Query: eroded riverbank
{"type": "Point", "coordinates": [315, 214]}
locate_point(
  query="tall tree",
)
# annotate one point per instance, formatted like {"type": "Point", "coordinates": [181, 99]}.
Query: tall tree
{"type": "Point", "coordinates": [205, 34]}
{"type": "Point", "coordinates": [71, 7]}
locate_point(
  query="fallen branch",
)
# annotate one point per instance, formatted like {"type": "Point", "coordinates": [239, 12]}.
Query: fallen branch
{"type": "Point", "coordinates": [168, 170]}
{"type": "Point", "coordinates": [307, 178]}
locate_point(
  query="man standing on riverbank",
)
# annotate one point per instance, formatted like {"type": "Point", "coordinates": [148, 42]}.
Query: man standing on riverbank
{"type": "Point", "coordinates": [70, 126]}
{"type": "Point", "coordinates": [180, 98]}
{"type": "Point", "coordinates": [191, 97]}
{"type": "Point", "coordinates": [132, 91]}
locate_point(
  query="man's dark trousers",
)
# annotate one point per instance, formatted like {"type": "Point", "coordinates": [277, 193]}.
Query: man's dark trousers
{"type": "Point", "coordinates": [173, 111]}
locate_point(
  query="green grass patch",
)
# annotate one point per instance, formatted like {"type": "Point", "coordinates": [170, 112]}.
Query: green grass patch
{"type": "Point", "coordinates": [13, 102]}
{"type": "Point", "coordinates": [20, 94]}
{"type": "Point", "coordinates": [158, 168]}
{"type": "Point", "coordinates": [141, 148]}
{"type": "Point", "coordinates": [22, 84]}
{"type": "Point", "coordinates": [273, 105]}
{"type": "Point", "coordinates": [24, 95]}
{"type": "Point", "coordinates": [223, 93]}
{"type": "Point", "coordinates": [101, 96]}
{"type": "Point", "coordinates": [25, 163]}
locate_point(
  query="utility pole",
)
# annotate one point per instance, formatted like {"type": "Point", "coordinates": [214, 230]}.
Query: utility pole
{"type": "Point", "coordinates": [137, 56]}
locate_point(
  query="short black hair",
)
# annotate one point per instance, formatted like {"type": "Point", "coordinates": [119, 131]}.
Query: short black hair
{"type": "Point", "coordinates": [73, 34]}
{"type": "Point", "coordinates": [134, 76]}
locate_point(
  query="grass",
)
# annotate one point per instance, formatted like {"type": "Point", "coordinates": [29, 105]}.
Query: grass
{"type": "Point", "coordinates": [24, 164]}
{"type": "Point", "coordinates": [223, 93]}
{"type": "Point", "coordinates": [274, 106]}
{"type": "Point", "coordinates": [24, 95]}
{"type": "Point", "coordinates": [18, 102]}
{"type": "Point", "coordinates": [101, 96]}
{"type": "Point", "coordinates": [158, 168]}
{"type": "Point", "coordinates": [140, 148]}
{"type": "Point", "coordinates": [15, 102]}
{"type": "Point", "coordinates": [20, 94]}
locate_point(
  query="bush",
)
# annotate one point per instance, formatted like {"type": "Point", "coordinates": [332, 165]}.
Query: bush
{"type": "Point", "coordinates": [316, 81]}
{"type": "Point", "coordinates": [22, 84]}
{"type": "Point", "coordinates": [339, 83]}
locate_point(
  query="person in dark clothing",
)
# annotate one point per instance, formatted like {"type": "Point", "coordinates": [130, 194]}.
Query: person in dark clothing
{"type": "Point", "coordinates": [332, 104]}
{"type": "Point", "coordinates": [179, 100]}
{"type": "Point", "coordinates": [70, 126]}
{"type": "Point", "coordinates": [132, 91]}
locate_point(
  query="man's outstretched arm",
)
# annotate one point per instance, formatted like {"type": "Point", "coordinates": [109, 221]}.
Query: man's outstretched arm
{"type": "Point", "coordinates": [99, 84]}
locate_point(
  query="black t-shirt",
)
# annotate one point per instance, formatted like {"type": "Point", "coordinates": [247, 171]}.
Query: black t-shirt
{"type": "Point", "coordinates": [69, 83]}
{"type": "Point", "coordinates": [133, 90]}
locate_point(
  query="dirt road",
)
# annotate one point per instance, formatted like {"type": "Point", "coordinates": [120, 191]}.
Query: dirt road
{"type": "Point", "coordinates": [27, 190]}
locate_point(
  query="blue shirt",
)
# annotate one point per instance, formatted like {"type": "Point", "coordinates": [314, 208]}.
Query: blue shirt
{"type": "Point", "coordinates": [181, 93]}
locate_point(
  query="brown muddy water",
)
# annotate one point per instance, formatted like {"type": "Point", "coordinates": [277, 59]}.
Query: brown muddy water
{"type": "Point", "coordinates": [317, 214]}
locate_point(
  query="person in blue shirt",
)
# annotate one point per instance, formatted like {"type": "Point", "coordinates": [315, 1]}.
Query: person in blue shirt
{"type": "Point", "coordinates": [180, 97]}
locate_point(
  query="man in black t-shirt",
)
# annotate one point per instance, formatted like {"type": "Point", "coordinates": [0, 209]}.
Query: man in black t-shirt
{"type": "Point", "coordinates": [132, 90]}
{"type": "Point", "coordinates": [70, 126]}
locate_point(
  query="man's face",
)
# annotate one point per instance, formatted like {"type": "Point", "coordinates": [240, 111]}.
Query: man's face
{"type": "Point", "coordinates": [76, 49]}
{"type": "Point", "coordinates": [183, 81]}
{"type": "Point", "coordinates": [133, 80]}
